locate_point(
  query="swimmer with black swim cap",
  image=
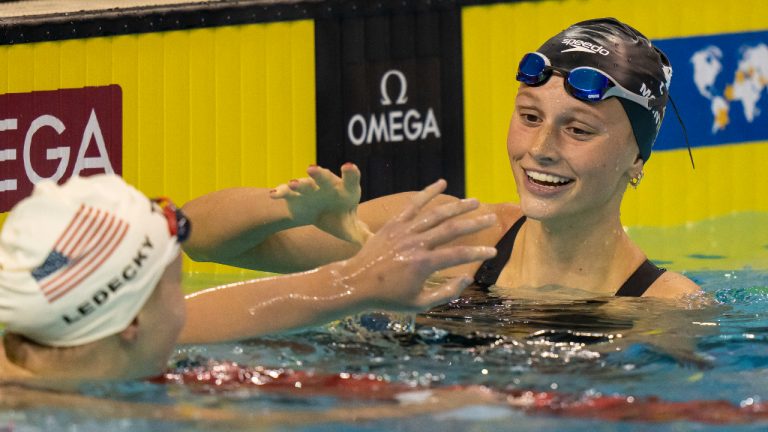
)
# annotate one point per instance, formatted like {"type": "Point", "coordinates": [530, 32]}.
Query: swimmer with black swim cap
{"type": "Point", "coordinates": [587, 112]}
{"type": "Point", "coordinates": [601, 58]}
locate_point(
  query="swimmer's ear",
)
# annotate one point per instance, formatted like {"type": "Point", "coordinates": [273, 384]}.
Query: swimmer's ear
{"type": "Point", "coordinates": [131, 333]}
{"type": "Point", "coordinates": [637, 167]}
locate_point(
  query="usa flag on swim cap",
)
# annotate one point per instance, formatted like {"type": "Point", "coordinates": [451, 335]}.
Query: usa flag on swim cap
{"type": "Point", "coordinates": [90, 239]}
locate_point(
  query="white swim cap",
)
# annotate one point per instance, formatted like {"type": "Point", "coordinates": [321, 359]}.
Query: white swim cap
{"type": "Point", "coordinates": [78, 261]}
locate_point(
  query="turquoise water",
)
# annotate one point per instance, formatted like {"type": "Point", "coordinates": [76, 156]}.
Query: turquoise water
{"type": "Point", "coordinates": [703, 349]}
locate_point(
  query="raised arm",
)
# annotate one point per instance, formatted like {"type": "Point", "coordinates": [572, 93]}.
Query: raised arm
{"type": "Point", "coordinates": [298, 226]}
{"type": "Point", "coordinates": [387, 273]}
{"type": "Point", "coordinates": [231, 225]}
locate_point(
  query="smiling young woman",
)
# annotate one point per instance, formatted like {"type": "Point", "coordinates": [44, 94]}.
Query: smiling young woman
{"type": "Point", "coordinates": [589, 108]}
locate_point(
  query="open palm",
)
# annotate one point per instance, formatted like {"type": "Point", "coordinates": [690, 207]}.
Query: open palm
{"type": "Point", "coordinates": [327, 201]}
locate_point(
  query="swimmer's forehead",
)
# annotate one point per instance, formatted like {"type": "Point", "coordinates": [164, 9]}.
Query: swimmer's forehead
{"type": "Point", "coordinates": [538, 97]}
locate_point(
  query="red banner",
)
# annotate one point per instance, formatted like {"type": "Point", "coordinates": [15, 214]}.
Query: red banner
{"type": "Point", "coordinates": [56, 135]}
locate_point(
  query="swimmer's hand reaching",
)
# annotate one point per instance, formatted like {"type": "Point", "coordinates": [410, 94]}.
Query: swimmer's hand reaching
{"type": "Point", "coordinates": [388, 273]}
{"type": "Point", "coordinates": [393, 266]}
{"type": "Point", "coordinates": [327, 202]}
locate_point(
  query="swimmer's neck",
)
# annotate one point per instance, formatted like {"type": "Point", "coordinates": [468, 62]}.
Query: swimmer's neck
{"type": "Point", "coordinates": [8, 369]}
{"type": "Point", "coordinates": [64, 368]}
{"type": "Point", "coordinates": [595, 258]}
{"type": "Point", "coordinates": [569, 239]}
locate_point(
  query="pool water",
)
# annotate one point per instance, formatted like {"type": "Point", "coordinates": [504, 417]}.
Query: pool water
{"type": "Point", "coordinates": [664, 362]}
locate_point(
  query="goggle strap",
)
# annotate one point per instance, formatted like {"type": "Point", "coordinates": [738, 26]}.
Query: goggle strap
{"type": "Point", "coordinates": [685, 132]}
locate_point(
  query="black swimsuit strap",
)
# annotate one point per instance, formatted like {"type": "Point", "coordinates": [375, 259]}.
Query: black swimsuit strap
{"type": "Point", "coordinates": [489, 271]}
{"type": "Point", "coordinates": [641, 280]}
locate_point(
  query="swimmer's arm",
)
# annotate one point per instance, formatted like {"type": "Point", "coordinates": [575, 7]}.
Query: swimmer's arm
{"type": "Point", "coordinates": [270, 305]}
{"type": "Point", "coordinates": [230, 225]}
{"type": "Point", "coordinates": [283, 303]}
{"type": "Point", "coordinates": [387, 273]}
{"type": "Point", "coordinates": [226, 224]}
{"type": "Point", "coordinates": [672, 285]}
{"type": "Point", "coordinates": [243, 227]}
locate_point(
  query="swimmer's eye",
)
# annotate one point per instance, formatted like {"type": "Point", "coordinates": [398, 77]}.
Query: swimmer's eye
{"type": "Point", "coordinates": [530, 118]}
{"type": "Point", "coordinates": [579, 133]}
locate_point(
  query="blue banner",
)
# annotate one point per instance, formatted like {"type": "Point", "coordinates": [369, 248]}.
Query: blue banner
{"type": "Point", "coordinates": [719, 86]}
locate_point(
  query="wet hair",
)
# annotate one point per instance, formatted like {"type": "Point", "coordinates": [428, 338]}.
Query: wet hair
{"type": "Point", "coordinates": [626, 55]}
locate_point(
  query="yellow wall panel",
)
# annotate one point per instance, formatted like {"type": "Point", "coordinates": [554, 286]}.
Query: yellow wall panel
{"type": "Point", "coordinates": [279, 91]}
{"type": "Point", "coordinates": [150, 121]}
{"type": "Point", "coordinates": [98, 67]}
{"type": "Point", "coordinates": [47, 66]}
{"type": "Point", "coordinates": [4, 67]}
{"type": "Point", "coordinates": [21, 70]}
{"type": "Point", "coordinates": [73, 64]}
{"type": "Point", "coordinates": [253, 130]}
{"type": "Point", "coordinates": [176, 121]}
{"type": "Point", "coordinates": [124, 55]}
{"type": "Point", "coordinates": [303, 112]}
{"type": "Point", "coordinates": [495, 38]}
{"type": "Point", "coordinates": [203, 109]}
{"type": "Point", "coordinates": [228, 103]}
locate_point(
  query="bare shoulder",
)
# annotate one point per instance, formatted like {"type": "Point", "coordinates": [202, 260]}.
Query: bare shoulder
{"type": "Point", "coordinates": [672, 285]}
{"type": "Point", "coordinates": [507, 213]}
{"type": "Point", "coordinates": [378, 211]}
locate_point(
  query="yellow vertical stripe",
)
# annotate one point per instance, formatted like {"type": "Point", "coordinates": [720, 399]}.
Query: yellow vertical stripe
{"type": "Point", "coordinates": [98, 67]}
{"type": "Point", "coordinates": [4, 50]}
{"type": "Point", "coordinates": [279, 94]}
{"type": "Point", "coordinates": [253, 129]}
{"type": "Point", "coordinates": [228, 103]}
{"type": "Point", "coordinates": [303, 91]}
{"type": "Point", "coordinates": [73, 63]}
{"type": "Point", "coordinates": [20, 68]}
{"type": "Point", "coordinates": [176, 121]}
{"type": "Point", "coordinates": [47, 64]}
{"type": "Point", "coordinates": [125, 73]}
{"type": "Point", "coordinates": [151, 105]}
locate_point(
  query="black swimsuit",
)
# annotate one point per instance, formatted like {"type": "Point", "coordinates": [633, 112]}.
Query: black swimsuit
{"type": "Point", "coordinates": [489, 272]}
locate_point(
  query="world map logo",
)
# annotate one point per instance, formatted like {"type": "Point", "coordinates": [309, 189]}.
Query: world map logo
{"type": "Point", "coordinates": [746, 86]}
{"type": "Point", "coordinates": [720, 87]}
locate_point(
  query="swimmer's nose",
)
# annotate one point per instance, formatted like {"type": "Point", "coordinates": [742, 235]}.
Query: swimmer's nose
{"type": "Point", "coordinates": [544, 147]}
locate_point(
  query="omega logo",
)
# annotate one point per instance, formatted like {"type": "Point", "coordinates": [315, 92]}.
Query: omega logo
{"type": "Point", "coordinates": [394, 125]}
{"type": "Point", "coordinates": [92, 132]}
{"type": "Point", "coordinates": [57, 134]}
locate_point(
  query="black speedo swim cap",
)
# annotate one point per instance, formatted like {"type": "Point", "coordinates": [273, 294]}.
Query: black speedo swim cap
{"type": "Point", "coordinates": [628, 57]}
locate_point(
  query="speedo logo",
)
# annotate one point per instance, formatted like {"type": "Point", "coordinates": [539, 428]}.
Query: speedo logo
{"type": "Point", "coordinates": [582, 46]}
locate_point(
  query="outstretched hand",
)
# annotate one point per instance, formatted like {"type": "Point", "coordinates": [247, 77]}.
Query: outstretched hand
{"type": "Point", "coordinates": [327, 202]}
{"type": "Point", "coordinates": [394, 264]}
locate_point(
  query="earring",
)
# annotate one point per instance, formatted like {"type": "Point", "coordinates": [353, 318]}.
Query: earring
{"type": "Point", "coordinates": [634, 181]}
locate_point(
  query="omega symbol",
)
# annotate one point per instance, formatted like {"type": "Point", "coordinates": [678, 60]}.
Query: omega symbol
{"type": "Point", "coordinates": [402, 98]}
{"type": "Point", "coordinates": [393, 124]}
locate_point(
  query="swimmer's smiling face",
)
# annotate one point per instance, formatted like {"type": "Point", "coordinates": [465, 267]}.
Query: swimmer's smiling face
{"type": "Point", "coordinates": [569, 158]}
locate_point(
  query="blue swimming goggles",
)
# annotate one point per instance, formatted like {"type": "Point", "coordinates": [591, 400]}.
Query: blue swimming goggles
{"type": "Point", "coordinates": [584, 83]}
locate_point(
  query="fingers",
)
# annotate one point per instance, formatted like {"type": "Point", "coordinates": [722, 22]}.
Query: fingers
{"type": "Point", "coordinates": [440, 214]}
{"type": "Point", "coordinates": [443, 294]}
{"type": "Point", "coordinates": [303, 185]}
{"type": "Point", "coordinates": [281, 192]}
{"type": "Point", "coordinates": [323, 176]}
{"type": "Point", "coordinates": [350, 175]}
{"type": "Point", "coordinates": [422, 198]}
{"type": "Point", "coordinates": [439, 259]}
{"type": "Point", "coordinates": [451, 230]}
{"type": "Point", "coordinates": [294, 188]}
